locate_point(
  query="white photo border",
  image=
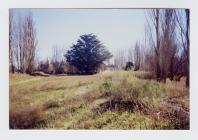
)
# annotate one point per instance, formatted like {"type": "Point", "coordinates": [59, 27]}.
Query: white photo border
{"type": "Point", "coordinates": [6, 134]}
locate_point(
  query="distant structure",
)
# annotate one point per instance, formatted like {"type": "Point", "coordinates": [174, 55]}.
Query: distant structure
{"type": "Point", "coordinates": [102, 67]}
{"type": "Point", "coordinates": [112, 68]}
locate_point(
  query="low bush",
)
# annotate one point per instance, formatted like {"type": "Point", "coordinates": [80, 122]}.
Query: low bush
{"type": "Point", "coordinates": [120, 105]}
{"type": "Point", "coordinates": [30, 117]}
{"type": "Point", "coordinates": [25, 118]}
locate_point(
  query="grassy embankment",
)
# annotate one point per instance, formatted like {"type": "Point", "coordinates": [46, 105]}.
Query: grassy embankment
{"type": "Point", "coordinates": [108, 100]}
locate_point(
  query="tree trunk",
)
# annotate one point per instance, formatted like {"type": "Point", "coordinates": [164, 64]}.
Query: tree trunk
{"type": "Point", "coordinates": [188, 45]}
{"type": "Point", "coordinates": [158, 69]}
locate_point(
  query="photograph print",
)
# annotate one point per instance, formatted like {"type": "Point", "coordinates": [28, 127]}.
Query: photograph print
{"type": "Point", "coordinates": [99, 69]}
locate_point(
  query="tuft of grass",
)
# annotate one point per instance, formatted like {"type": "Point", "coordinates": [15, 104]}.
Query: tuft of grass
{"type": "Point", "coordinates": [145, 75]}
{"type": "Point", "coordinates": [105, 87]}
{"type": "Point", "coordinates": [124, 120]}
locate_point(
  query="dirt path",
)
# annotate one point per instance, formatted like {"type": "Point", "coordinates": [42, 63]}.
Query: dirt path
{"type": "Point", "coordinates": [25, 81]}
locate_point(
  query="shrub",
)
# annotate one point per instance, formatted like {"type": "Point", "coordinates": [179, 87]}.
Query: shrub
{"type": "Point", "coordinates": [30, 117]}
{"type": "Point", "coordinates": [105, 87]}
{"type": "Point", "coordinates": [25, 118]}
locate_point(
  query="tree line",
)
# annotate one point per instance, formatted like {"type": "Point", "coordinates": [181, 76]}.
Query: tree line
{"type": "Point", "coordinates": [84, 57]}
{"type": "Point", "coordinates": [164, 50]}
{"type": "Point", "coordinates": [22, 44]}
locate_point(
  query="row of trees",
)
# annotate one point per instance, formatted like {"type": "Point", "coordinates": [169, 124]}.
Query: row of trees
{"type": "Point", "coordinates": [84, 57]}
{"type": "Point", "coordinates": [22, 43]}
{"type": "Point", "coordinates": [165, 49]}
{"type": "Point", "coordinates": [23, 49]}
{"type": "Point", "coordinates": [56, 64]}
{"type": "Point", "coordinates": [133, 56]}
{"type": "Point", "coordinates": [168, 32]}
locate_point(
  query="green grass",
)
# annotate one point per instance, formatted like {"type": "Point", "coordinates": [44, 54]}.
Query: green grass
{"type": "Point", "coordinates": [108, 100]}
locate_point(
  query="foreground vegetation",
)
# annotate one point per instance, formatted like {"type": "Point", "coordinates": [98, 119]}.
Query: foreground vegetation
{"type": "Point", "coordinates": [108, 100]}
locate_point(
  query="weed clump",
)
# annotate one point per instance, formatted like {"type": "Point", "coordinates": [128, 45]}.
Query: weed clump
{"type": "Point", "coordinates": [105, 87]}
{"type": "Point", "coordinates": [176, 115]}
{"type": "Point", "coordinates": [120, 105]}
{"type": "Point", "coordinates": [25, 118]}
{"type": "Point", "coordinates": [29, 117]}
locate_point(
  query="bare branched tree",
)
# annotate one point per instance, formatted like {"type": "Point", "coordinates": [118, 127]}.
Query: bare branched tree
{"type": "Point", "coordinates": [120, 60]}
{"type": "Point", "coordinates": [168, 48]}
{"type": "Point", "coordinates": [167, 30]}
{"type": "Point", "coordinates": [57, 53]}
{"type": "Point", "coordinates": [29, 44]}
{"type": "Point", "coordinates": [154, 28]}
{"type": "Point", "coordinates": [137, 56]}
{"type": "Point", "coordinates": [130, 54]}
{"type": "Point", "coordinates": [11, 42]}
{"type": "Point", "coordinates": [22, 43]}
{"type": "Point", "coordinates": [57, 59]}
{"type": "Point", "coordinates": [183, 22]}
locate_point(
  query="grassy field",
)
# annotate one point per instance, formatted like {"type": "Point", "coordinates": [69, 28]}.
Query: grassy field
{"type": "Point", "coordinates": [108, 100]}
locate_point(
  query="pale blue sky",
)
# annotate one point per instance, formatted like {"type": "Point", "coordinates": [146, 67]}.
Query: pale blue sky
{"type": "Point", "coordinates": [116, 28]}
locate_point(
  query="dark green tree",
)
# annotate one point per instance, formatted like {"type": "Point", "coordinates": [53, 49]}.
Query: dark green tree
{"type": "Point", "coordinates": [87, 54]}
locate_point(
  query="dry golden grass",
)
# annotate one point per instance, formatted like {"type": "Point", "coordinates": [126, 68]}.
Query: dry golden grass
{"type": "Point", "coordinates": [108, 100]}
